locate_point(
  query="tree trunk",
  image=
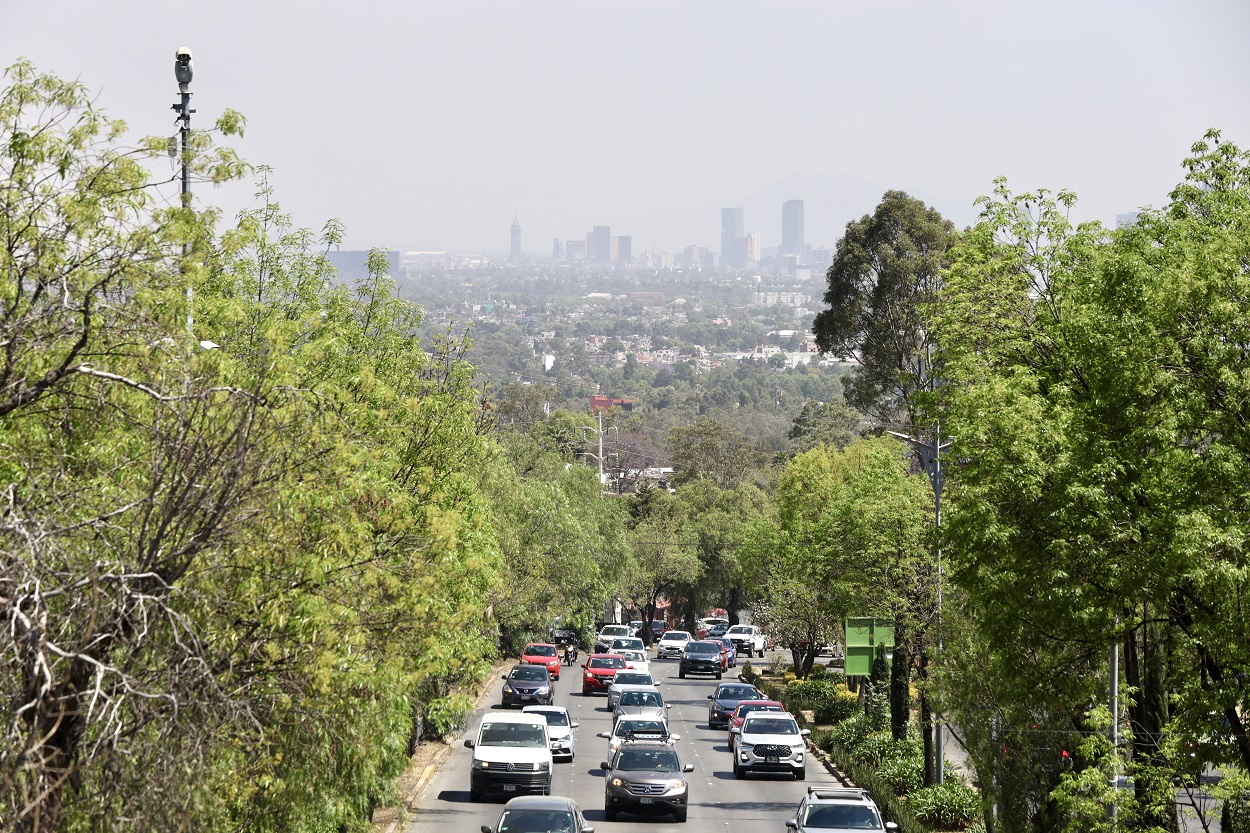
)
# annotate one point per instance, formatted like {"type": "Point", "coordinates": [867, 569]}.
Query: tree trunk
{"type": "Point", "coordinates": [900, 688]}
{"type": "Point", "coordinates": [926, 721]}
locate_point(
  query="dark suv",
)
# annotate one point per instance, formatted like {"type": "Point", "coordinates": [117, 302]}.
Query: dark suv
{"type": "Point", "coordinates": [645, 777]}
{"type": "Point", "coordinates": [701, 657]}
{"type": "Point", "coordinates": [527, 685]}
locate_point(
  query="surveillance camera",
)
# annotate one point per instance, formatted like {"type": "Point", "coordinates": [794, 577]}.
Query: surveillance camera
{"type": "Point", "coordinates": [183, 55]}
{"type": "Point", "coordinates": [183, 68]}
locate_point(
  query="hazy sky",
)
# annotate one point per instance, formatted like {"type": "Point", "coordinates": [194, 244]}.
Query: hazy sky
{"type": "Point", "coordinates": [425, 125]}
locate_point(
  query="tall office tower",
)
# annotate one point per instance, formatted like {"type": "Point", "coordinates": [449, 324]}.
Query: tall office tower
{"type": "Point", "coordinates": [624, 250]}
{"type": "Point", "coordinates": [792, 228]}
{"type": "Point", "coordinates": [557, 250]}
{"type": "Point", "coordinates": [575, 250]}
{"type": "Point", "coordinates": [516, 241]}
{"type": "Point", "coordinates": [599, 245]}
{"type": "Point", "coordinates": [754, 249]}
{"type": "Point", "coordinates": [731, 230]}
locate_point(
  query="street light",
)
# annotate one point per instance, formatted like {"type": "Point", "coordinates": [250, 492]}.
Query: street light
{"type": "Point", "coordinates": [183, 71]}
{"type": "Point", "coordinates": [931, 459]}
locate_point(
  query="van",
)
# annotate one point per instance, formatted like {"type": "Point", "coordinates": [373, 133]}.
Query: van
{"type": "Point", "coordinates": [511, 755]}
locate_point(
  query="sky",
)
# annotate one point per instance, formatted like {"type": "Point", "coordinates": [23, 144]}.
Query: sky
{"type": "Point", "coordinates": [429, 126]}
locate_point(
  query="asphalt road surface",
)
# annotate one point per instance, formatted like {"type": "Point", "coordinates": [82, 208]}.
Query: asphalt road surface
{"type": "Point", "coordinates": [719, 803]}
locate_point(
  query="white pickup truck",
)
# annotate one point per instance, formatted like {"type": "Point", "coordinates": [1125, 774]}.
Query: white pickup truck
{"type": "Point", "coordinates": [748, 639]}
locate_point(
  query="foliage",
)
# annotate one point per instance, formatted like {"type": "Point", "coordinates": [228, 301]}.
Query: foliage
{"type": "Point", "coordinates": [827, 698]}
{"type": "Point", "coordinates": [948, 804]}
{"type": "Point", "coordinates": [887, 267]}
{"type": "Point", "coordinates": [708, 449]}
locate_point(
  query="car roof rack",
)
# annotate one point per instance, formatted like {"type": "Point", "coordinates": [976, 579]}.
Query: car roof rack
{"type": "Point", "coordinates": [845, 793]}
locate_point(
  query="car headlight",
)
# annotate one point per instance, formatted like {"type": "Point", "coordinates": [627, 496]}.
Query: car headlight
{"type": "Point", "coordinates": [543, 766]}
{"type": "Point", "coordinates": [481, 764]}
{"type": "Point", "coordinates": [507, 689]}
{"type": "Point", "coordinates": [800, 749]}
{"type": "Point", "coordinates": [617, 782]}
{"type": "Point", "coordinates": [588, 677]}
{"type": "Point", "coordinates": [544, 689]}
{"type": "Point", "coordinates": [674, 785]}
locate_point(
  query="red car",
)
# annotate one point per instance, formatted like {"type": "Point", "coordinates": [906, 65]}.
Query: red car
{"type": "Point", "coordinates": [598, 671]}
{"type": "Point", "coordinates": [542, 653]}
{"type": "Point", "coordinates": [745, 707]}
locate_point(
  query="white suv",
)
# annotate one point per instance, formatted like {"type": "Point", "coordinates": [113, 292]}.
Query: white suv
{"type": "Point", "coordinates": [672, 644]}
{"type": "Point", "coordinates": [511, 754]}
{"type": "Point", "coordinates": [748, 639]}
{"type": "Point", "coordinates": [770, 742]}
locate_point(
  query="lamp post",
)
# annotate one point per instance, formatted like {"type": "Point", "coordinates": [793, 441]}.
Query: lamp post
{"type": "Point", "coordinates": [183, 70]}
{"type": "Point", "coordinates": [931, 459]}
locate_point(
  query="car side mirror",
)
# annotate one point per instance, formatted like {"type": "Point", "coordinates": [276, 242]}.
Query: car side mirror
{"type": "Point", "coordinates": [604, 735]}
{"type": "Point", "coordinates": [889, 825]}
{"type": "Point", "coordinates": [792, 824]}
{"type": "Point", "coordinates": [468, 744]}
{"type": "Point", "coordinates": [688, 768]}
{"type": "Point", "coordinates": [486, 828]}
{"type": "Point", "coordinates": [668, 705]}
{"type": "Point", "coordinates": [710, 697]}
{"type": "Point", "coordinates": [676, 737]}
{"type": "Point", "coordinates": [805, 732]}
{"type": "Point", "coordinates": [733, 730]}
{"type": "Point", "coordinates": [583, 665]}
{"type": "Point", "coordinates": [503, 676]}
{"type": "Point", "coordinates": [605, 766]}
{"type": "Point", "coordinates": [573, 725]}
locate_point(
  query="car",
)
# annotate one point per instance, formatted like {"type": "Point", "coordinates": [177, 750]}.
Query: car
{"type": "Point", "coordinates": [748, 639]}
{"type": "Point", "coordinates": [635, 660]}
{"type": "Point", "coordinates": [560, 728]}
{"type": "Point", "coordinates": [770, 742]}
{"type": "Point", "coordinates": [637, 728]}
{"type": "Point", "coordinates": [645, 777]}
{"type": "Point", "coordinates": [717, 630]}
{"type": "Point", "coordinates": [658, 627]}
{"type": "Point", "coordinates": [838, 809]}
{"type": "Point", "coordinates": [626, 643]}
{"type": "Point", "coordinates": [701, 656]}
{"type": "Point", "coordinates": [511, 754]}
{"type": "Point", "coordinates": [526, 684]}
{"type": "Point", "coordinates": [746, 707]}
{"type": "Point", "coordinates": [626, 678]}
{"type": "Point", "coordinates": [641, 701]}
{"type": "Point", "coordinates": [544, 654]}
{"type": "Point", "coordinates": [671, 644]}
{"type": "Point", "coordinates": [598, 671]}
{"type": "Point", "coordinates": [636, 627]}
{"type": "Point", "coordinates": [726, 697]}
{"type": "Point", "coordinates": [603, 639]}
{"type": "Point", "coordinates": [728, 651]}
{"type": "Point", "coordinates": [553, 813]}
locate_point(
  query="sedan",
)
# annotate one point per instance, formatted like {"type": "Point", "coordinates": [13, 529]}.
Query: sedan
{"type": "Point", "coordinates": [626, 678]}
{"type": "Point", "coordinates": [540, 812]}
{"type": "Point", "coordinates": [729, 653]}
{"type": "Point", "coordinates": [527, 684]}
{"type": "Point", "coordinates": [635, 660]}
{"type": "Point", "coordinates": [725, 699]}
{"type": "Point", "coordinates": [545, 654]}
{"type": "Point", "coordinates": [559, 729]}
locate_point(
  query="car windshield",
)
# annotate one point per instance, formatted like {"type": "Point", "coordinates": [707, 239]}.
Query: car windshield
{"type": "Point", "coordinates": [513, 734]}
{"type": "Point", "coordinates": [614, 630]}
{"type": "Point", "coordinates": [702, 648]}
{"type": "Point", "coordinates": [647, 760]}
{"type": "Point", "coordinates": [529, 672]}
{"type": "Point", "coordinates": [634, 656]}
{"type": "Point", "coordinates": [640, 698]}
{"type": "Point", "coordinates": [770, 726]}
{"type": "Point", "coordinates": [840, 816]}
{"type": "Point", "coordinates": [737, 692]}
{"type": "Point", "coordinates": [540, 651]}
{"type": "Point", "coordinates": [554, 718]}
{"type": "Point", "coordinates": [743, 629]}
{"type": "Point", "coordinates": [607, 662]}
{"type": "Point", "coordinates": [632, 678]}
{"type": "Point", "coordinates": [675, 636]}
{"type": "Point", "coordinates": [536, 821]}
{"type": "Point", "coordinates": [743, 711]}
{"type": "Point", "coordinates": [640, 727]}
{"type": "Point", "coordinates": [632, 643]}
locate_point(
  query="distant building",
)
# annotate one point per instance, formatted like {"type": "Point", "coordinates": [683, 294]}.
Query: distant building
{"type": "Point", "coordinates": [575, 250]}
{"type": "Point", "coordinates": [557, 250]}
{"type": "Point", "coordinates": [624, 249]}
{"type": "Point", "coordinates": [353, 265]}
{"type": "Point", "coordinates": [516, 241]}
{"type": "Point", "coordinates": [604, 403]}
{"type": "Point", "coordinates": [820, 260]}
{"type": "Point", "coordinates": [731, 232]}
{"type": "Point", "coordinates": [791, 228]}
{"type": "Point", "coordinates": [755, 251]}
{"type": "Point", "coordinates": [599, 245]}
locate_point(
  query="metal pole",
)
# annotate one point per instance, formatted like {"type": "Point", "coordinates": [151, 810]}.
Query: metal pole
{"type": "Point", "coordinates": [937, 544]}
{"type": "Point", "coordinates": [1112, 811]}
{"type": "Point", "coordinates": [601, 449]}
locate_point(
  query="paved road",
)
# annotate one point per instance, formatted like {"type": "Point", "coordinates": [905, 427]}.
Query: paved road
{"type": "Point", "coordinates": [718, 802]}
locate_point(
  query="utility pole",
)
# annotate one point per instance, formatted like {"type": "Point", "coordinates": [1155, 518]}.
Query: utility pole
{"type": "Point", "coordinates": [931, 459]}
{"type": "Point", "coordinates": [183, 71]}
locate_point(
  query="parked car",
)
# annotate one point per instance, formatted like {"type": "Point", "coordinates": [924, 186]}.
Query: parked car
{"type": "Point", "coordinates": [603, 639]}
{"type": "Point", "coordinates": [770, 742]}
{"type": "Point", "coordinates": [625, 678]}
{"type": "Point", "coordinates": [511, 754]}
{"type": "Point", "coordinates": [560, 728]}
{"type": "Point", "coordinates": [837, 809]}
{"type": "Point", "coordinates": [725, 699]}
{"type": "Point", "coordinates": [637, 728]}
{"type": "Point", "coordinates": [598, 671]}
{"type": "Point", "coordinates": [526, 684]}
{"type": "Point", "coordinates": [540, 812]}
{"type": "Point", "coordinates": [544, 654]}
{"type": "Point", "coordinates": [641, 701]}
{"type": "Point", "coordinates": [748, 639]}
{"type": "Point", "coordinates": [646, 777]}
{"type": "Point", "coordinates": [701, 656]}
{"type": "Point", "coordinates": [744, 708]}
{"type": "Point", "coordinates": [671, 644]}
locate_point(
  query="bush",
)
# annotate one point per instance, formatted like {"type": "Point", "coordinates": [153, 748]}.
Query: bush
{"type": "Point", "coordinates": [827, 698]}
{"type": "Point", "coordinates": [903, 773]}
{"type": "Point", "coordinates": [841, 707]}
{"type": "Point", "coordinates": [949, 804]}
{"type": "Point", "coordinates": [874, 748]}
{"type": "Point", "coordinates": [851, 732]}
{"type": "Point", "coordinates": [891, 807]}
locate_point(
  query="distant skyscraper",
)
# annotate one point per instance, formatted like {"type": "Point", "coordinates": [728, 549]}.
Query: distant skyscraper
{"type": "Point", "coordinates": [557, 250]}
{"type": "Point", "coordinates": [731, 230]}
{"type": "Point", "coordinates": [754, 248]}
{"type": "Point", "coordinates": [516, 241]}
{"type": "Point", "coordinates": [599, 245]}
{"type": "Point", "coordinates": [792, 228]}
{"type": "Point", "coordinates": [624, 250]}
{"type": "Point", "coordinates": [575, 250]}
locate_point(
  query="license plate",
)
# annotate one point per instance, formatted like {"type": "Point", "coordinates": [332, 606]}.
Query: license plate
{"type": "Point", "coordinates": [646, 799]}
{"type": "Point", "coordinates": [509, 788]}
{"type": "Point", "coordinates": [771, 759]}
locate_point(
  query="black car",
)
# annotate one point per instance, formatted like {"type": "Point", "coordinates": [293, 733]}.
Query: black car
{"type": "Point", "coordinates": [725, 699]}
{"type": "Point", "coordinates": [541, 812]}
{"type": "Point", "coordinates": [528, 685]}
{"type": "Point", "coordinates": [701, 657]}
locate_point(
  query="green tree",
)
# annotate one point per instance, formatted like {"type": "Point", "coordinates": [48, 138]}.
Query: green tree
{"type": "Point", "coordinates": [888, 265]}
{"type": "Point", "coordinates": [707, 449]}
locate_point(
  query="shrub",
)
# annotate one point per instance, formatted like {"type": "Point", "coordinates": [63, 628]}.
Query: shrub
{"type": "Point", "coordinates": [840, 707]}
{"type": "Point", "coordinates": [949, 804]}
{"type": "Point", "coordinates": [827, 698]}
{"type": "Point", "coordinates": [903, 773]}
{"type": "Point", "coordinates": [874, 748]}
{"type": "Point", "coordinates": [851, 732]}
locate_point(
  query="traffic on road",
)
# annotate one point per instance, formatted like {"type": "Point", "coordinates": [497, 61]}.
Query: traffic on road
{"type": "Point", "coordinates": [676, 772]}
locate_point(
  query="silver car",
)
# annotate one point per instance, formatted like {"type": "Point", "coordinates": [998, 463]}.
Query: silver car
{"type": "Point", "coordinates": [626, 678]}
{"type": "Point", "coordinates": [559, 729]}
{"type": "Point", "coordinates": [641, 701]}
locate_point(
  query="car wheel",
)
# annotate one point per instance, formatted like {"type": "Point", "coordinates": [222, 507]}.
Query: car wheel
{"type": "Point", "coordinates": [682, 673]}
{"type": "Point", "coordinates": [738, 771]}
{"type": "Point", "coordinates": [761, 653]}
{"type": "Point", "coordinates": [679, 815]}
{"type": "Point", "coordinates": [585, 691]}
{"type": "Point", "coordinates": [800, 773]}
{"type": "Point", "coordinates": [474, 796]}
{"type": "Point", "coordinates": [609, 814]}
{"type": "Point", "coordinates": [718, 675]}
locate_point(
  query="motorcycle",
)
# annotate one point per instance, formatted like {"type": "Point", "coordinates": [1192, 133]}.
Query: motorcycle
{"type": "Point", "coordinates": [570, 653]}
